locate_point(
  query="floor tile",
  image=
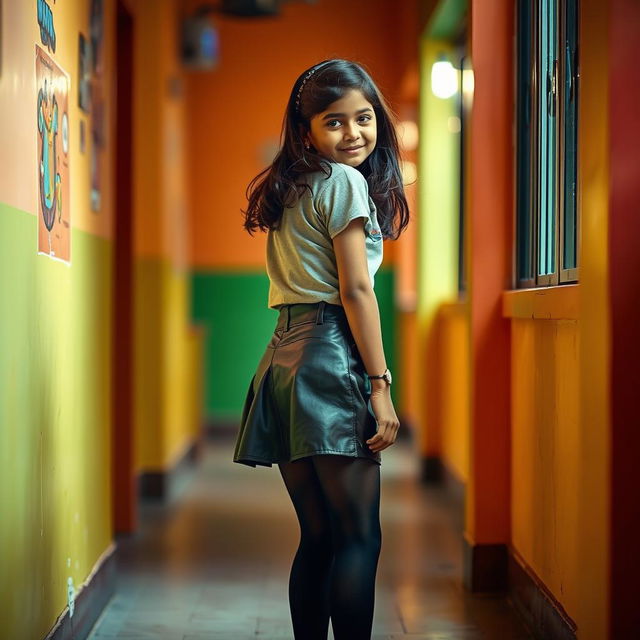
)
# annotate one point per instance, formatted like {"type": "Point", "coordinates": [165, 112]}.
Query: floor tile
{"type": "Point", "coordinates": [214, 565]}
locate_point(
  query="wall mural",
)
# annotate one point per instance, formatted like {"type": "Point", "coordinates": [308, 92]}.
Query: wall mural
{"type": "Point", "coordinates": [52, 120]}
{"type": "Point", "coordinates": [47, 29]}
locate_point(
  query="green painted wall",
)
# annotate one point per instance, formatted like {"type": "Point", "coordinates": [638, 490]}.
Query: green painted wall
{"type": "Point", "coordinates": [55, 412]}
{"type": "Point", "coordinates": [385, 292]}
{"type": "Point", "coordinates": [233, 309]}
{"type": "Point", "coordinates": [446, 19]}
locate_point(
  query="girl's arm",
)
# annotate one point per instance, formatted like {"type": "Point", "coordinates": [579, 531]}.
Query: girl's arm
{"type": "Point", "coordinates": [361, 307]}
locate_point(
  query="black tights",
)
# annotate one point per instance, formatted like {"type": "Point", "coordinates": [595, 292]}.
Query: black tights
{"type": "Point", "coordinates": [337, 501]}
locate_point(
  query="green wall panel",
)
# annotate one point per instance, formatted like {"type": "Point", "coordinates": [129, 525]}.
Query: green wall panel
{"type": "Point", "coordinates": [446, 19]}
{"type": "Point", "coordinates": [233, 309]}
{"type": "Point", "coordinates": [385, 293]}
{"type": "Point", "coordinates": [232, 306]}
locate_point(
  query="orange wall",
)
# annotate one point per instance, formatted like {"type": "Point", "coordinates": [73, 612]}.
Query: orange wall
{"type": "Point", "coordinates": [160, 161]}
{"type": "Point", "coordinates": [236, 111]}
{"type": "Point", "coordinates": [405, 291]}
{"type": "Point", "coordinates": [17, 132]}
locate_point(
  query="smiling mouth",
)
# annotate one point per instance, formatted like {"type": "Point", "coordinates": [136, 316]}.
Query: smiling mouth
{"type": "Point", "coordinates": [352, 148]}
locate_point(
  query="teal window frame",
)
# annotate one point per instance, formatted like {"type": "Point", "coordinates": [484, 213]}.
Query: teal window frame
{"type": "Point", "coordinates": [546, 198]}
{"type": "Point", "coordinates": [569, 231]}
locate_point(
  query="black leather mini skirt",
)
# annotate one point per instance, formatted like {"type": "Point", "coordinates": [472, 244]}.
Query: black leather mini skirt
{"type": "Point", "coordinates": [309, 394]}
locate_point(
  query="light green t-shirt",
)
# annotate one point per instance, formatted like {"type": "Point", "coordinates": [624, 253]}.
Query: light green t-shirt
{"type": "Point", "coordinates": [301, 263]}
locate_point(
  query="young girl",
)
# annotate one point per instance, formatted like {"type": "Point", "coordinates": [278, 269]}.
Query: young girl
{"type": "Point", "coordinates": [319, 404]}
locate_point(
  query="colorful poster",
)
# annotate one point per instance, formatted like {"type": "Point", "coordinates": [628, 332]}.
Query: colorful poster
{"type": "Point", "coordinates": [52, 126]}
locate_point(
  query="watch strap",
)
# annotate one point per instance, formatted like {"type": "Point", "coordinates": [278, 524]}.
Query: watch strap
{"type": "Point", "coordinates": [382, 375]}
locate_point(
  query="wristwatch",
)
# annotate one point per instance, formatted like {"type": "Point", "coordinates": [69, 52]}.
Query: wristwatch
{"type": "Point", "coordinates": [386, 376]}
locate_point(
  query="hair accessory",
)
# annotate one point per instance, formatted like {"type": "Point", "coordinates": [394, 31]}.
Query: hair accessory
{"type": "Point", "coordinates": [309, 74]}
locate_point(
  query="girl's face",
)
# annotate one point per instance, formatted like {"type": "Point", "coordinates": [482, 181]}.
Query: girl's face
{"type": "Point", "coordinates": [346, 132]}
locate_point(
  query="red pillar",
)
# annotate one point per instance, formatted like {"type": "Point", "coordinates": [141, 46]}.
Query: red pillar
{"type": "Point", "coordinates": [624, 288]}
{"type": "Point", "coordinates": [490, 226]}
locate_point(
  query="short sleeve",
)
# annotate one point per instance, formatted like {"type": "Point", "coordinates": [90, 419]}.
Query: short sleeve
{"type": "Point", "coordinates": [344, 198]}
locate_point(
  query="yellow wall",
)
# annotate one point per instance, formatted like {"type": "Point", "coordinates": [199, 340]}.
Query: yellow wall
{"type": "Point", "coordinates": [453, 344]}
{"type": "Point", "coordinates": [56, 335]}
{"type": "Point", "coordinates": [437, 192]}
{"type": "Point", "coordinates": [437, 236]}
{"type": "Point", "coordinates": [545, 437]}
{"type": "Point", "coordinates": [559, 421]}
{"type": "Point", "coordinates": [593, 536]}
{"type": "Point", "coordinates": [55, 344]}
{"type": "Point", "coordinates": [560, 400]}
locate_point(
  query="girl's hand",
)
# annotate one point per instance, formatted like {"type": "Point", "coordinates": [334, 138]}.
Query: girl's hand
{"type": "Point", "coordinates": [386, 418]}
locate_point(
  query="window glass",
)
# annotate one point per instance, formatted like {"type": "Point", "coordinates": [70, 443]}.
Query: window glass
{"type": "Point", "coordinates": [546, 214]}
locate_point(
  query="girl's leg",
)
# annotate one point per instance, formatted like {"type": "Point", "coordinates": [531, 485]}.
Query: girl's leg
{"type": "Point", "coordinates": [351, 487]}
{"type": "Point", "coordinates": [309, 581]}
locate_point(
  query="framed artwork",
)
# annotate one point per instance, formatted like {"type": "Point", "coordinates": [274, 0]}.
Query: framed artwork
{"type": "Point", "coordinates": [52, 127]}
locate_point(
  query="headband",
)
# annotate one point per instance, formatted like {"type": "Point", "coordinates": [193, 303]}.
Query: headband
{"type": "Point", "coordinates": [309, 74]}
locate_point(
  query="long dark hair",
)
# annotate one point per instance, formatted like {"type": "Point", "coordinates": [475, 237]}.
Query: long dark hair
{"type": "Point", "coordinates": [277, 186]}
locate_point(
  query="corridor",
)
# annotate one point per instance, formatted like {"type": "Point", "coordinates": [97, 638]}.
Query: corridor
{"type": "Point", "coordinates": [214, 565]}
{"type": "Point", "coordinates": [143, 140]}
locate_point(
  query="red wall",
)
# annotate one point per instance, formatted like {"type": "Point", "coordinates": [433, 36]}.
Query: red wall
{"type": "Point", "coordinates": [489, 270]}
{"type": "Point", "coordinates": [624, 283]}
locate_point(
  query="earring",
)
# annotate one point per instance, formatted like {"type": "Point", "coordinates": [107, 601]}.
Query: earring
{"type": "Point", "coordinates": [307, 146]}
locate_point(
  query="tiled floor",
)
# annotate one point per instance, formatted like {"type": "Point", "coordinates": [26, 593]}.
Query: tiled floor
{"type": "Point", "coordinates": [215, 564]}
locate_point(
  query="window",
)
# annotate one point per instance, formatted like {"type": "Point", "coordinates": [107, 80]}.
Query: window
{"type": "Point", "coordinates": [546, 162]}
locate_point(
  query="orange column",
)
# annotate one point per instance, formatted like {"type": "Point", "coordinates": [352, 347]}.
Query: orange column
{"type": "Point", "coordinates": [490, 228]}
